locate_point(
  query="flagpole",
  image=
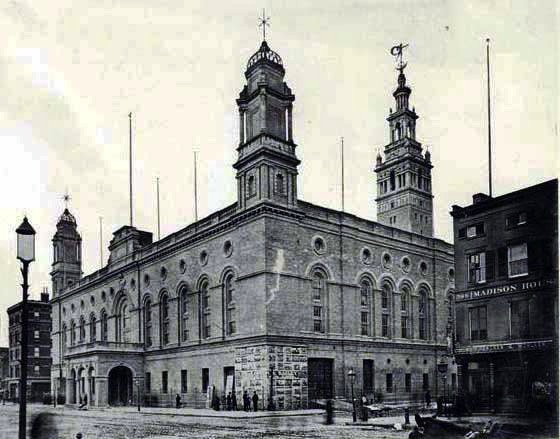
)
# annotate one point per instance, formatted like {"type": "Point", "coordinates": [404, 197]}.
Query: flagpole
{"type": "Point", "coordinates": [130, 164]}
{"type": "Point", "coordinates": [342, 171]}
{"type": "Point", "coordinates": [489, 118]}
{"type": "Point", "coordinates": [100, 242]}
{"type": "Point", "coordinates": [158, 217]}
{"type": "Point", "coordinates": [195, 190]}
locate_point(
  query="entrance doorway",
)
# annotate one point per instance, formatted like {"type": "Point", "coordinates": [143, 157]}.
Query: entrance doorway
{"type": "Point", "coordinates": [120, 386]}
{"type": "Point", "coordinates": [320, 378]}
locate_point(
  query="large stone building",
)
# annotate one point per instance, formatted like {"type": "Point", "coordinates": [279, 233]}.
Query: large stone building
{"type": "Point", "coordinates": [4, 372]}
{"type": "Point", "coordinates": [38, 348]}
{"type": "Point", "coordinates": [506, 253]}
{"type": "Point", "coordinates": [270, 294]}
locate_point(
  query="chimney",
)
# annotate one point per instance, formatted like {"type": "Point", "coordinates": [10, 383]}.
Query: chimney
{"type": "Point", "coordinates": [45, 295]}
{"type": "Point", "coordinates": [479, 198]}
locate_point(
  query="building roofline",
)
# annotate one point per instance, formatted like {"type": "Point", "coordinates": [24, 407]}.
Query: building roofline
{"type": "Point", "coordinates": [491, 202]}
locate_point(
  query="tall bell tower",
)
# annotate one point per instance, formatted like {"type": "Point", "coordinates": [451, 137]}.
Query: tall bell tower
{"type": "Point", "coordinates": [267, 164]}
{"type": "Point", "coordinates": [404, 180]}
{"type": "Point", "coordinates": [67, 253]}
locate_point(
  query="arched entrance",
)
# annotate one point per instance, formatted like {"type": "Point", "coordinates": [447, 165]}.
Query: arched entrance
{"type": "Point", "coordinates": [72, 393]}
{"type": "Point", "coordinates": [120, 386]}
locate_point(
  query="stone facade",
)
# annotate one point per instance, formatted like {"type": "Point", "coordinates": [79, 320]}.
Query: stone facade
{"type": "Point", "coordinates": [276, 295]}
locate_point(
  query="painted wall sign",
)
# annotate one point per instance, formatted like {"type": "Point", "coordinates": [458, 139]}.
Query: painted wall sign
{"type": "Point", "coordinates": [517, 287]}
{"type": "Point", "coordinates": [505, 347]}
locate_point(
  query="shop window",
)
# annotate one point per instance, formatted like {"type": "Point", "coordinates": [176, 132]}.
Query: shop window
{"type": "Point", "coordinates": [478, 324]}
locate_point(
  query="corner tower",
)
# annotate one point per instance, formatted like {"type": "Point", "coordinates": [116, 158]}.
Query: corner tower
{"type": "Point", "coordinates": [67, 253]}
{"type": "Point", "coordinates": [404, 180]}
{"type": "Point", "coordinates": [267, 164]}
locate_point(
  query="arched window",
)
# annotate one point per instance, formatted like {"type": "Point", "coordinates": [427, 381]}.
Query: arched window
{"type": "Point", "coordinates": [92, 328]}
{"type": "Point", "coordinates": [205, 309]}
{"type": "Point", "coordinates": [229, 294]}
{"type": "Point", "coordinates": [366, 303]}
{"type": "Point", "coordinates": [82, 329]}
{"type": "Point", "coordinates": [279, 186]}
{"type": "Point", "coordinates": [251, 186]}
{"type": "Point", "coordinates": [184, 314]}
{"type": "Point", "coordinates": [398, 131]}
{"type": "Point", "coordinates": [64, 337]}
{"type": "Point", "coordinates": [319, 300]}
{"type": "Point", "coordinates": [386, 294]}
{"type": "Point", "coordinates": [104, 326]}
{"type": "Point", "coordinates": [72, 333]}
{"type": "Point", "coordinates": [392, 180]}
{"type": "Point", "coordinates": [405, 304]}
{"type": "Point", "coordinates": [121, 321]}
{"type": "Point", "coordinates": [164, 318]}
{"type": "Point", "coordinates": [422, 315]}
{"type": "Point", "coordinates": [148, 323]}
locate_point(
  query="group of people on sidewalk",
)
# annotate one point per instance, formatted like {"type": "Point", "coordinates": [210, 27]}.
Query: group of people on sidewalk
{"type": "Point", "coordinates": [229, 402]}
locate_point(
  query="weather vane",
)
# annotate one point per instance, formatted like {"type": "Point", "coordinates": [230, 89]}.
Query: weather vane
{"type": "Point", "coordinates": [66, 198]}
{"type": "Point", "coordinates": [397, 52]}
{"type": "Point", "coordinates": [263, 22]}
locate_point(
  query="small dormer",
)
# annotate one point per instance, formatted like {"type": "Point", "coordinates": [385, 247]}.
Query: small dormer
{"type": "Point", "coordinates": [126, 241]}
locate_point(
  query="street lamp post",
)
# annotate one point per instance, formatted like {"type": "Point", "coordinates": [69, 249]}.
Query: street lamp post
{"type": "Point", "coordinates": [26, 254]}
{"type": "Point", "coordinates": [442, 368]}
{"type": "Point", "coordinates": [352, 376]}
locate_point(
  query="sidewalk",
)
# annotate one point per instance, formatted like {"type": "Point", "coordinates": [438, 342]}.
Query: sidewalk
{"type": "Point", "coordinates": [191, 412]}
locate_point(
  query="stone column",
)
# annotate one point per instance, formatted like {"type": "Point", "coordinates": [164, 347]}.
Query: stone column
{"type": "Point", "coordinates": [241, 126]}
{"type": "Point", "coordinates": [102, 391]}
{"type": "Point", "coordinates": [69, 391]}
{"type": "Point", "coordinates": [290, 126]}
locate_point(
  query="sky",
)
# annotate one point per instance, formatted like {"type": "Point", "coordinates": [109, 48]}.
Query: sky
{"type": "Point", "coordinates": [71, 71]}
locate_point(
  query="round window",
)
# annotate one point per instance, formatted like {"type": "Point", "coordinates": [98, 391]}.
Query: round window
{"type": "Point", "coordinates": [387, 260]}
{"type": "Point", "coordinates": [228, 248]}
{"type": "Point", "coordinates": [319, 245]}
{"type": "Point", "coordinates": [451, 274]}
{"type": "Point", "coordinates": [367, 257]}
{"type": "Point", "coordinates": [182, 266]}
{"type": "Point", "coordinates": [203, 257]}
{"type": "Point", "coordinates": [405, 264]}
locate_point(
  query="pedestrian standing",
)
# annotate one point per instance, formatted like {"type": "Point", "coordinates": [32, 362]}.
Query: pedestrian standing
{"type": "Point", "coordinates": [178, 401]}
{"type": "Point", "coordinates": [255, 402]}
{"type": "Point", "coordinates": [234, 401]}
{"type": "Point", "coordinates": [246, 402]}
{"type": "Point", "coordinates": [228, 401]}
{"type": "Point", "coordinates": [428, 398]}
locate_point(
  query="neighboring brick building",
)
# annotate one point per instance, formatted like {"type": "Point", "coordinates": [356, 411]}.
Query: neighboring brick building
{"type": "Point", "coordinates": [506, 253]}
{"type": "Point", "coordinates": [39, 348]}
{"type": "Point", "coordinates": [4, 372]}
{"type": "Point", "coordinates": [268, 294]}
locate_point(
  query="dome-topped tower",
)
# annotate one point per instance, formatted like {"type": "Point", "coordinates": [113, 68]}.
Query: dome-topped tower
{"type": "Point", "coordinates": [404, 180]}
{"type": "Point", "coordinates": [267, 163]}
{"type": "Point", "coordinates": [265, 55]}
{"type": "Point", "coordinates": [67, 253]}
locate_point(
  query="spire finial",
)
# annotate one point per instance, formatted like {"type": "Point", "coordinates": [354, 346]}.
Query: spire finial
{"type": "Point", "coordinates": [66, 198]}
{"type": "Point", "coordinates": [263, 22]}
{"type": "Point", "coordinates": [397, 52]}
